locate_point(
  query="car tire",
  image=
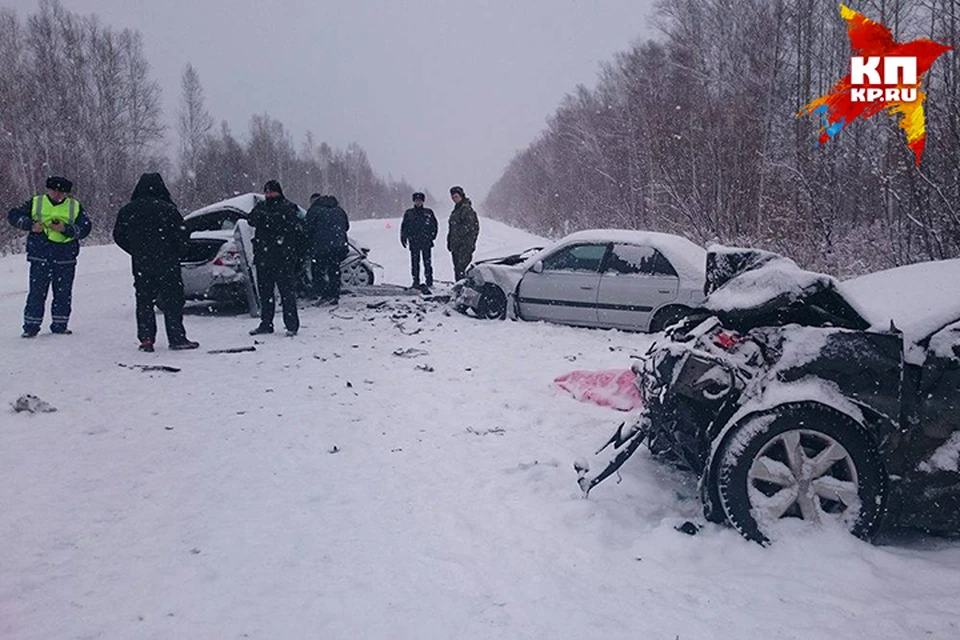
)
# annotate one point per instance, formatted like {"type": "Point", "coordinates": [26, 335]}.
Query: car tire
{"type": "Point", "coordinates": [359, 275]}
{"type": "Point", "coordinates": [667, 316]}
{"type": "Point", "coordinates": [492, 304]}
{"type": "Point", "coordinates": [774, 454]}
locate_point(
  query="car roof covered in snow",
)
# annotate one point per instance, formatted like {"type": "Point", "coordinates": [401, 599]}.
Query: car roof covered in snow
{"type": "Point", "coordinates": [919, 298]}
{"type": "Point", "coordinates": [688, 258]}
{"type": "Point", "coordinates": [244, 203]}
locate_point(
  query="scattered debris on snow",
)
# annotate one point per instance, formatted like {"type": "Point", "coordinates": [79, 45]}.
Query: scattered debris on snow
{"type": "Point", "coordinates": [499, 431]}
{"type": "Point", "coordinates": [32, 404]}
{"type": "Point", "coordinates": [233, 350]}
{"type": "Point", "coordinates": [150, 367]}
{"type": "Point", "coordinates": [410, 353]}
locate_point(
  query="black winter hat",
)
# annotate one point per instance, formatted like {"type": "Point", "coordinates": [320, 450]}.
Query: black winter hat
{"type": "Point", "coordinates": [459, 190]}
{"type": "Point", "coordinates": [273, 185]}
{"type": "Point", "coordinates": [418, 196]}
{"type": "Point", "coordinates": [58, 183]}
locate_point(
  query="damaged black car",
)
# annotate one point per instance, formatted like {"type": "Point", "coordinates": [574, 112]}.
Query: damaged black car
{"type": "Point", "coordinates": [798, 400]}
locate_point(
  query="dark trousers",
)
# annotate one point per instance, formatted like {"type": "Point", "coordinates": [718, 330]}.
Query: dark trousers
{"type": "Point", "coordinates": [461, 260]}
{"type": "Point", "coordinates": [43, 274]}
{"type": "Point", "coordinates": [427, 254]}
{"type": "Point", "coordinates": [271, 276]}
{"type": "Point", "coordinates": [162, 288]}
{"type": "Point", "coordinates": [325, 271]}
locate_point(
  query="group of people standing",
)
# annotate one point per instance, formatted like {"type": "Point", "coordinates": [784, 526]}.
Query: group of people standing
{"type": "Point", "coordinates": [418, 231]}
{"type": "Point", "coordinates": [279, 244]}
{"type": "Point", "coordinates": [150, 229]}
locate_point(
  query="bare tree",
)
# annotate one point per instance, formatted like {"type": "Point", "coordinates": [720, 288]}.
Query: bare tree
{"type": "Point", "coordinates": [194, 124]}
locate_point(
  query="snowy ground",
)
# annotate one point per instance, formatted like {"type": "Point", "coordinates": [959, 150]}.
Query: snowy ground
{"type": "Point", "coordinates": [324, 487]}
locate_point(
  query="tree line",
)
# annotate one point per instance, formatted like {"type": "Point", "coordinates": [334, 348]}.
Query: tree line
{"type": "Point", "coordinates": [77, 99]}
{"type": "Point", "coordinates": [696, 133]}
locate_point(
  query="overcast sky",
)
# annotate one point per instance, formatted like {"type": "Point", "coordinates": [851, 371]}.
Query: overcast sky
{"type": "Point", "coordinates": [437, 92]}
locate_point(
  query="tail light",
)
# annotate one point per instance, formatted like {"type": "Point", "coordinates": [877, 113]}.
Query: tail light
{"type": "Point", "coordinates": [229, 258]}
{"type": "Point", "coordinates": [726, 340]}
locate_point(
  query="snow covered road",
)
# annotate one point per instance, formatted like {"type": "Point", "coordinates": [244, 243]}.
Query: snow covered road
{"type": "Point", "coordinates": [395, 472]}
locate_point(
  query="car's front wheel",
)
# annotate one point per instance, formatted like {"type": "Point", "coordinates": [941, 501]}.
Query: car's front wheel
{"type": "Point", "coordinates": [799, 463]}
{"type": "Point", "coordinates": [492, 304]}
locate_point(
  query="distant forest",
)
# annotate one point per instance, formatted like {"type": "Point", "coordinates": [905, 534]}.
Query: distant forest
{"type": "Point", "coordinates": [77, 99]}
{"type": "Point", "coordinates": [695, 133]}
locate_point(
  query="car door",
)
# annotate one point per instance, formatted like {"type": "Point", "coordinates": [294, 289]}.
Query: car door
{"type": "Point", "coordinates": [565, 289]}
{"type": "Point", "coordinates": [932, 487]}
{"type": "Point", "coordinates": [636, 281]}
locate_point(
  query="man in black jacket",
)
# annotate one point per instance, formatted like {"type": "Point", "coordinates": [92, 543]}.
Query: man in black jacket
{"type": "Point", "coordinates": [150, 228]}
{"type": "Point", "coordinates": [55, 223]}
{"type": "Point", "coordinates": [277, 247]}
{"type": "Point", "coordinates": [417, 232]}
{"type": "Point", "coordinates": [326, 229]}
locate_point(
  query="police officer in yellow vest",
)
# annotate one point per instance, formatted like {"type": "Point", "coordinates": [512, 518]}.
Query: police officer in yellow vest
{"type": "Point", "coordinates": [56, 224]}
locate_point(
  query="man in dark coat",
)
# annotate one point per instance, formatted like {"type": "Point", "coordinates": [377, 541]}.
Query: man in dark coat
{"type": "Point", "coordinates": [55, 223]}
{"type": "Point", "coordinates": [150, 228]}
{"type": "Point", "coordinates": [417, 232]}
{"type": "Point", "coordinates": [326, 229]}
{"type": "Point", "coordinates": [464, 227]}
{"type": "Point", "coordinates": [277, 247]}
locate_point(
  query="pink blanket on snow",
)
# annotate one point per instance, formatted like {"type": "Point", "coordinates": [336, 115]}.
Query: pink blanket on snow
{"type": "Point", "coordinates": [614, 389]}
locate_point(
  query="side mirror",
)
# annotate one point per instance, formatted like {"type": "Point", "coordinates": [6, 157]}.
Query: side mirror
{"type": "Point", "coordinates": [537, 266]}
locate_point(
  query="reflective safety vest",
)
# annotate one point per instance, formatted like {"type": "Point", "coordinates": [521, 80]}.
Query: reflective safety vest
{"type": "Point", "coordinates": [45, 212]}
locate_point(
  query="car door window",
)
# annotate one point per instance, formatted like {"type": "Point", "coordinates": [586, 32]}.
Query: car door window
{"type": "Point", "coordinates": [580, 257]}
{"type": "Point", "coordinates": [632, 259]}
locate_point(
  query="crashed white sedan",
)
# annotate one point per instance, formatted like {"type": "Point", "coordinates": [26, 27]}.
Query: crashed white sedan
{"type": "Point", "coordinates": [213, 265]}
{"type": "Point", "coordinates": [633, 280]}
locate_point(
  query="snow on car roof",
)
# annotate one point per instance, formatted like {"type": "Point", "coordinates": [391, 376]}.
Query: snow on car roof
{"type": "Point", "coordinates": [688, 258]}
{"type": "Point", "coordinates": [244, 203]}
{"type": "Point", "coordinates": [919, 298]}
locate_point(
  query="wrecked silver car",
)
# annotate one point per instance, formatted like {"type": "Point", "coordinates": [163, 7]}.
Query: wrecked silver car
{"type": "Point", "coordinates": [797, 399]}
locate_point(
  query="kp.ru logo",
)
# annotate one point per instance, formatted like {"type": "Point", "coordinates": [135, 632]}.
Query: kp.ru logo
{"type": "Point", "coordinates": [866, 71]}
{"type": "Point", "coordinates": [885, 75]}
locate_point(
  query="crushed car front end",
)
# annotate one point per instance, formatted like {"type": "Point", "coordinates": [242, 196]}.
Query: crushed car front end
{"type": "Point", "coordinates": [488, 286]}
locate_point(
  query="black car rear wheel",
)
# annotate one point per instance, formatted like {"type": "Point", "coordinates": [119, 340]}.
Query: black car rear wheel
{"type": "Point", "coordinates": [800, 462]}
{"type": "Point", "coordinates": [492, 304]}
{"type": "Point", "coordinates": [357, 275]}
